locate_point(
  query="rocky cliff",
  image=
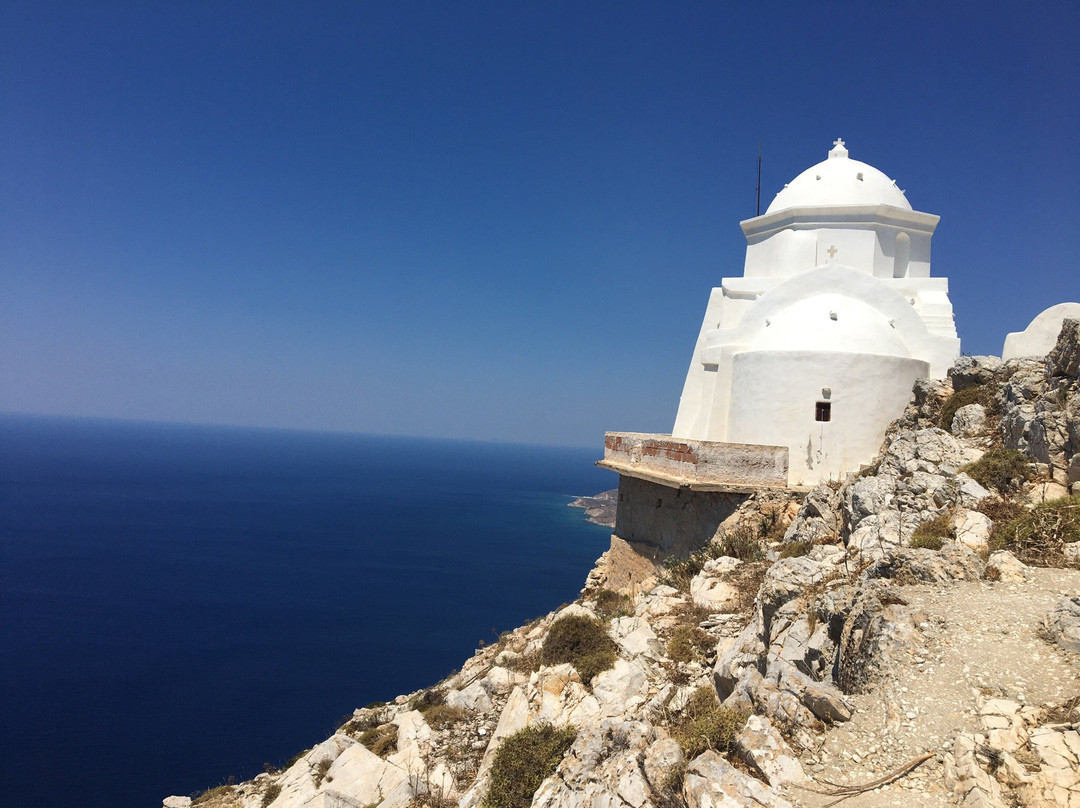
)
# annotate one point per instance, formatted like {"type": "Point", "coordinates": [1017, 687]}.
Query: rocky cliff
{"type": "Point", "coordinates": [905, 637]}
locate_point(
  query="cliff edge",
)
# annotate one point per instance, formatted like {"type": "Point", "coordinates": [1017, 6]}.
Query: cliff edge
{"type": "Point", "coordinates": [908, 636]}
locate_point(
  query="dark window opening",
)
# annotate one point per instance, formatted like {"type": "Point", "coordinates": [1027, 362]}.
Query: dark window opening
{"type": "Point", "coordinates": [823, 412]}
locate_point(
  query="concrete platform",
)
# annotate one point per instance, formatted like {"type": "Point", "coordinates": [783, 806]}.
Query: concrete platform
{"type": "Point", "coordinates": [694, 464]}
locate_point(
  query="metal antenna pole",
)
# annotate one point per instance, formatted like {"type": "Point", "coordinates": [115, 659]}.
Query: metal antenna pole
{"type": "Point", "coordinates": [757, 206]}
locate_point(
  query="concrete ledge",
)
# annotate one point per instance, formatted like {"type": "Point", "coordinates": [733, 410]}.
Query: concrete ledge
{"type": "Point", "coordinates": [695, 464]}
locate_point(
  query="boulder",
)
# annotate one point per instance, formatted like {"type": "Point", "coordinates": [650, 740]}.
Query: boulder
{"type": "Point", "coordinates": [968, 371]}
{"type": "Point", "coordinates": [1063, 624]}
{"type": "Point", "coordinates": [744, 654]}
{"type": "Point", "coordinates": [176, 802]}
{"type": "Point", "coordinates": [1064, 358]}
{"type": "Point", "coordinates": [636, 637]}
{"type": "Point", "coordinates": [363, 775]}
{"type": "Point", "coordinates": [879, 630]}
{"type": "Point", "coordinates": [622, 689]}
{"type": "Point", "coordinates": [764, 750]}
{"type": "Point", "coordinates": [711, 588]}
{"type": "Point", "coordinates": [972, 529]}
{"type": "Point", "coordinates": [1004, 566]}
{"type": "Point", "coordinates": [661, 758]}
{"type": "Point", "coordinates": [712, 782]}
{"type": "Point", "coordinates": [602, 767]}
{"type": "Point", "coordinates": [932, 450]}
{"type": "Point", "coordinates": [969, 421]}
{"type": "Point", "coordinates": [953, 562]}
{"type": "Point", "coordinates": [473, 698]}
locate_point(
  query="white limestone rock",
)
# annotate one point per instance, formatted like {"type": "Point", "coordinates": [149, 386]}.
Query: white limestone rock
{"type": "Point", "coordinates": [764, 749]}
{"type": "Point", "coordinates": [972, 529]}
{"type": "Point", "coordinates": [931, 450]}
{"type": "Point", "coordinates": [473, 698]}
{"type": "Point", "coordinates": [1063, 624]}
{"type": "Point", "coordinates": [969, 421]}
{"type": "Point", "coordinates": [361, 775]}
{"type": "Point", "coordinates": [710, 589]}
{"type": "Point", "coordinates": [621, 690]}
{"type": "Point", "coordinates": [661, 758]}
{"type": "Point", "coordinates": [1004, 566]}
{"type": "Point", "coordinates": [636, 638]}
{"type": "Point", "coordinates": [968, 371]}
{"type": "Point", "coordinates": [712, 782]}
{"type": "Point", "coordinates": [176, 802]}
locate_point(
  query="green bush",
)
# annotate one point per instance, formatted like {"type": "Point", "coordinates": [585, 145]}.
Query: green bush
{"type": "Point", "coordinates": [1039, 536]}
{"type": "Point", "coordinates": [961, 398]}
{"type": "Point", "coordinates": [1004, 469]}
{"type": "Point", "coordinates": [523, 761]}
{"type": "Point", "coordinates": [706, 724]}
{"type": "Point", "coordinates": [930, 535]}
{"type": "Point", "coordinates": [581, 641]}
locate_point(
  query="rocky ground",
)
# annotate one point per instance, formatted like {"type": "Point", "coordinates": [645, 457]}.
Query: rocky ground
{"type": "Point", "coordinates": [879, 641]}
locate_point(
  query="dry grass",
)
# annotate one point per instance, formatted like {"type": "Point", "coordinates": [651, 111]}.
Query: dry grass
{"type": "Point", "coordinates": [1039, 536]}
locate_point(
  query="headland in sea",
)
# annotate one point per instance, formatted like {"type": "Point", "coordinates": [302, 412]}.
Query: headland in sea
{"type": "Point", "coordinates": [184, 603]}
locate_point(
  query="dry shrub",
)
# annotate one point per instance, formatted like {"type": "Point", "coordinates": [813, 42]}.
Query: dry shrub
{"type": "Point", "coordinates": [961, 398]}
{"type": "Point", "coordinates": [432, 697]}
{"type": "Point", "coordinates": [381, 740]}
{"type": "Point", "coordinates": [581, 641]}
{"type": "Point", "coordinates": [1003, 469]}
{"type": "Point", "coordinates": [1039, 536]}
{"type": "Point", "coordinates": [794, 549]}
{"type": "Point", "coordinates": [442, 715]}
{"type": "Point", "coordinates": [930, 535]}
{"type": "Point", "coordinates": [609, 603]}
{"type": "Point", "coordinates": [1000, 511]}
{"type": "Point", "coordinates": [742, 542]}
{"type": "Point", "coordinates": [706, 724]}
{"type": "Point", "coordinates": [523, 761]}
{"type": "Point", "coordinates": [689, 643]}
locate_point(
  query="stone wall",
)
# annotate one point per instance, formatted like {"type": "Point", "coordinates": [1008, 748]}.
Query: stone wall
{"type": "Point", "coordinates": [658, 521]}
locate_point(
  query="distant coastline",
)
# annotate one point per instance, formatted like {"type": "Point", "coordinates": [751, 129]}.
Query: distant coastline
{"type": "Point", "coordinates": [600, 508]}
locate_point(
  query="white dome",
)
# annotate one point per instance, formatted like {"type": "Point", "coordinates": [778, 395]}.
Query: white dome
{"type": "Point", "coordinates": [839, 180]}
{"type": "Point", "coordinates": [831, 322]}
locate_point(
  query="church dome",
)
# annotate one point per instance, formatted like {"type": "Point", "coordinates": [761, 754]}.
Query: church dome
{"type": "Point", "coordinates": [839, 180]}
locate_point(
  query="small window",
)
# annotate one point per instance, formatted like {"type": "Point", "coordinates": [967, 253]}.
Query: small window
{"type": "Point", "coordinates": [823, 412]}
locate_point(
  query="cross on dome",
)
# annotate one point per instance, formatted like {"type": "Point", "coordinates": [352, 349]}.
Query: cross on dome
{"type": "Point", "coordinates": [838, 149]}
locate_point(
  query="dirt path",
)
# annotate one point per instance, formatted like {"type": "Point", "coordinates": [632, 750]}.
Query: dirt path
{"type": "Point", "coordinates": [976, 640]}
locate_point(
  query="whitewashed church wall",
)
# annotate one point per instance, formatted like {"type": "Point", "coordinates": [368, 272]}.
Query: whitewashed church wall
{"type": "Point", "coordinates": [778, 394]}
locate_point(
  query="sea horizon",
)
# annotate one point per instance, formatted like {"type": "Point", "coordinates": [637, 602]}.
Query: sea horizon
{"type": "Point", "coordinates": [183, 603]}
{"type": "Point", "coordinates": [599, 447]}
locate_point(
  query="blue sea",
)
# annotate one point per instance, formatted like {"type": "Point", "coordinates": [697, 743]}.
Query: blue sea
{"type": "Point", "coordinates": [180, 604]}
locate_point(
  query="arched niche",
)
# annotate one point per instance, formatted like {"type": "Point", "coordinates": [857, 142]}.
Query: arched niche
{"type": "Point", "coordinates": [901, 255]}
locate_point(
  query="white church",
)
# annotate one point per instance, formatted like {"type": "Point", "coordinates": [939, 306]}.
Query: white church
{"type": "Point", "coordinates": [804, 359]}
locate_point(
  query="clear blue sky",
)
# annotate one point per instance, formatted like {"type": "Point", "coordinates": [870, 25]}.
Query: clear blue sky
{"type": "Point", "coordinates": [482, 220]}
